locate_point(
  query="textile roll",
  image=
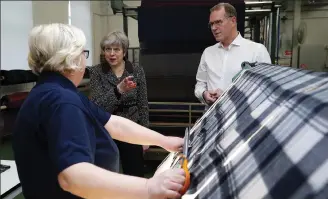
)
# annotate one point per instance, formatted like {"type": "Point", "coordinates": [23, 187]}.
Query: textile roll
{"type": "Point", "coordinates": [11, 77]}
{"type": "Point", "coordinates": [160, 3]}
{"type": "Point", "coordinates": [171, 74]}
{"type": "Point", "coordinates": [266, 137]}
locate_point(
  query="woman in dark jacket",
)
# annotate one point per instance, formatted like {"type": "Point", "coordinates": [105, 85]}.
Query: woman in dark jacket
{"type": "Point", "coordinates": [107, 80]}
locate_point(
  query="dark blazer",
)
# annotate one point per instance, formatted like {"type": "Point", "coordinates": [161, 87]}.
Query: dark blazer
{"type": "Point", "coordinates": [132, 105]}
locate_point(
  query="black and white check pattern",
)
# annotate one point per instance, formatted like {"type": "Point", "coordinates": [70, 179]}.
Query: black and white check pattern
{"type": "Point", "coordinates": [266, 138]}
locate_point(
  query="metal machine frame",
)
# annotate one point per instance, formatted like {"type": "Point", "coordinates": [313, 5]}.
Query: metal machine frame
{"type": "Point", "coordinates": [263, 19]}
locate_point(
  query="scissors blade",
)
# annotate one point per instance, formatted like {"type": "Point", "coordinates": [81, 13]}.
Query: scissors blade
{"type": "Point", "coordinates": [186, 142]}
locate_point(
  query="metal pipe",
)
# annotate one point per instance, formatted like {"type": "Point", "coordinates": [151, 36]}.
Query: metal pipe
{"type": "Point", "coordinates": [125, 27]}
{"type": "Point", "coordinates": [130, 11]}
{"type": "Point", "coordinates": [257, 31]}
{"type": "Point", "coordinates": [296, 23]}
{"type": "Point", "coordinates": [130, 8]}
{"type": "Point", "coordinates": [278, 34]}
{"type": "Point", "coordinates": [252, 33]}
{"type": "Point", "coordinates": [131, 14]}
{"type": "Point", "coordinates": [262, 28]}
{"type": "Point", "coordinates": [267, 31]}
{"type": "Point", "coordinates": [258, 3]}
{"type": "Point", "coordinates": [270, 32]}
{"type": "Point", "coordinates": [257, 11]}
{"type": "Point", "coordinates": [322, 17]}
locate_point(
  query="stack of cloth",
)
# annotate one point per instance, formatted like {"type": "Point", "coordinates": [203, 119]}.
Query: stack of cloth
{"type": "Point", "coordinates": [266, 137]}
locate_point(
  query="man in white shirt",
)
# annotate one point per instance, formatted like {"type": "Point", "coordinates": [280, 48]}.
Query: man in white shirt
{"type": "Point", "coordinates": [221, 62]}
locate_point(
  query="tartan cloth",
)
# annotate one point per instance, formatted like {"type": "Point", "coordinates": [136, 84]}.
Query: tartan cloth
{"type": "Point", "coordinates": [266, 137]}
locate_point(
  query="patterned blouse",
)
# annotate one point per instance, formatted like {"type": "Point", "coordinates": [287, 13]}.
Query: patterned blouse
{"type": "Point", "coordinates": [132, 105]}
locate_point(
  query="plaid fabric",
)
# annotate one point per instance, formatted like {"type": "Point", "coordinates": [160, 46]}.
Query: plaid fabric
{"type": "Point", "coordinates": [265, 138]}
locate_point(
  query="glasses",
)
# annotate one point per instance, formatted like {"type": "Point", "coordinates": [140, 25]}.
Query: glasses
{"type": "Point", "coordinates": [110, 50]}
{"type": "Point", "coordinates": [218, 23]}
{"type": "Point", "coordinates": [86, 53]}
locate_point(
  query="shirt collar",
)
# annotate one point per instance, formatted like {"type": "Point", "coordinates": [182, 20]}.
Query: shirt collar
{"type": "Point", "coordinates": [236, 42]}
{"type": "Point", "coordinates": [56, 77]}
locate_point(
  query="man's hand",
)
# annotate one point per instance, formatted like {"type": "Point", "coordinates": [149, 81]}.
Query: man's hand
{"type": "Point", "coordinates": [166, 184]}
{"type": "Point", "coordinates": [218, 92]}
{"type": "Point", "coordinates": [209, 97]}
{"type": "Point", "coordinates": [126, 85]}
{"type": "Point", "coordinates": [172, 144]}
{"type": "Point", "coordinates": [212, 95]}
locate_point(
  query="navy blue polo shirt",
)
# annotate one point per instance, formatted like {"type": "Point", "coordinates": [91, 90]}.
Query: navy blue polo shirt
{"type": "Point", "coordinates": [57, 127]}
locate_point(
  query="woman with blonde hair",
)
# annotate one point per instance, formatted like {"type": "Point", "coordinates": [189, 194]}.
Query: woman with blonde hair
{"type": "Point", "coordinates": [63, 143]}
{"type": "Point", "coordinates": [119, 87]}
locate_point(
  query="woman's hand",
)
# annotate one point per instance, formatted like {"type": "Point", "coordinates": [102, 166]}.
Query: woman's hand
{"type": "Point", "coordinates": [172, 144]}
{"type": "Point", "coordinates": [166, 184]}
{"type": "Point", "coordinates": [126, 85]}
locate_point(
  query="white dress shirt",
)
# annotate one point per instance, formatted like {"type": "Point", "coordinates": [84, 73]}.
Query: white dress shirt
{"type": "Point", "coordinates": [218, 65]}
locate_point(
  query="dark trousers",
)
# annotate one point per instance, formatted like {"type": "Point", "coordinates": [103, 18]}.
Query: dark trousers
{"type": "Point", "coordinates": [132, 160]}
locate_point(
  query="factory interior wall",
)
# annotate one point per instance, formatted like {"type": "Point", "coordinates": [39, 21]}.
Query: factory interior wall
{"type": "Point", "coordinates": [104, 21]}
{"type": "Point", "coordinates": [18, 18]}
{"type": "Point", "coordinates": [314, 49]}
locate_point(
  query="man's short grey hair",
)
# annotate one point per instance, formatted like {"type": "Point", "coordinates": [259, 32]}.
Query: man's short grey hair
{"type": "Point", "coordinates": [230, 10]}
{"type": "Point", "coordinates": [55, 47]}
{"type": "Point", "coordinates": [116, 37]}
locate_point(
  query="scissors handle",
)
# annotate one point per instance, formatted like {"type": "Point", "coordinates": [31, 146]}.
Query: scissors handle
{"type": "Point", "coordinates": [184, 166]}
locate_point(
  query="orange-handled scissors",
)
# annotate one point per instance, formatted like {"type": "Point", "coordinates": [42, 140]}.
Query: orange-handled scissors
{"type": "Point", "coordinates": [184, 162]}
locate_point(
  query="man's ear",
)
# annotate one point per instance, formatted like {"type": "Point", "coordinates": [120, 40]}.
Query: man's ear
{"type": "Point", "coordinates": [234, 19]}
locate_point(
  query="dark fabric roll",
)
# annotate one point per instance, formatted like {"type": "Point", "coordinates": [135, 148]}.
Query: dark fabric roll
{"type": "Point", "coordinates": [171, 77]}
{"type": "Point", "coordinates": [11, 77]}
{"type": "Point", "coordinates": [171, 89]}
{"type": "Point", "coordinates": [174, 24]}
{"type": "Point", "coordinates": [159, 3]}
{"type": "Point", "coordinates": [179, 26]}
